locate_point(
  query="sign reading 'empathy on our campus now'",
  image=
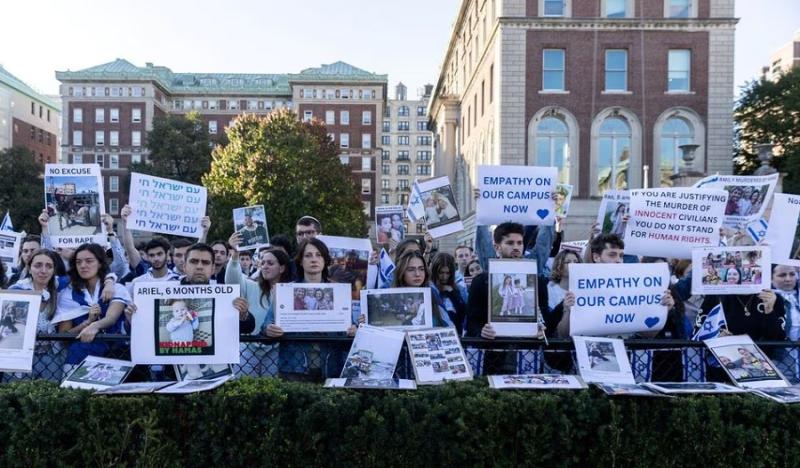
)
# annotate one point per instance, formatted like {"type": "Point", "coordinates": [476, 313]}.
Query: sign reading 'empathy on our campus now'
{"type": "Point", "coordinates": [522, 194]}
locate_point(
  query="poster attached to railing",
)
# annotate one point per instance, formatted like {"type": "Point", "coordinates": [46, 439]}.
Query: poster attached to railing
{"type": "Point", "coordinates": [783, 235]}
{"type": "Point", "coordinates": [748, 196]}
{"type": "Point", "coordinates": [441, 213]}
{"type": "Point", "coordinates": [522, 194]}
{"type": "Point", "coordinates": [671, 222]}
{"type": "Point", "coordinates": [615, 299]}
{"type": "Point", "coordinates": [731, 270]}
{"type": "Point", "coordinates": [74, 202]}
{"type": "Point", "coordinates": [166, 206]}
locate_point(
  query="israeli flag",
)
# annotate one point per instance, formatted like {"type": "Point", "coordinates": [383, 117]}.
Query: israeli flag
{"type": "Point", "coordinates": [416, 210]}
{"type": "Point", "coordinates": [712, 325]}
{"type": "Point", "coordinates": [6, 224]}
{"type": "Point", "coordinates": [758, 230]}
{"type": "Point", "coordinates": [385, 268]}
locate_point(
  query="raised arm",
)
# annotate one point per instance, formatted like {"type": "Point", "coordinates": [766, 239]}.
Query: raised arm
{"type": "Point", "coordinates": [134, 258]}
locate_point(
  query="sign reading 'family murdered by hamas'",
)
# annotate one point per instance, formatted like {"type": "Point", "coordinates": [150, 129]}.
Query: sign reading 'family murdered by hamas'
{"type": "Point", "coordinates": [522, 194]}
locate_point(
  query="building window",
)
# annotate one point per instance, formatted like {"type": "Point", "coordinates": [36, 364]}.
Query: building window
{"type": "Point", "coordinates": [113, 206]}
{"type": "Point", "coordinates": [113, 184]}
{"type": "Point", "coordinates": [483, 96]}
{"type": "Point", "coordinates": [77, 115]}
{"type": "Point", "coordinates": [402, 140]}
{"type": "Point", "coordinates": [402, 199]}
{"type": "Point", "coordinates": [423, 169]}
{"type": "Point", "coordinates": [366, 141]}
{"type": "Point", "coordinates": [99, 138]}
{"type": "Point", "coordinates": [136, 158]}
{"type": "Point", "coordinates": [553, 70]}
{"type": "Point", "coordinates": [614, 155]}
{"type": "Point", "coordinates": [366, 118]}
{"type": "Point", "coordinates": [422, 125]}
{"type": "Point", "coordinates": [344, 117]}
{"type": "Point", "coordinates": [421, 111]}
{"type": "Point", "coordinates": [332, 136]}
{"type": "Point", "coordinates": [402, 155]}
{"type": "Point", "coordinates": [402, 111]}
{"type": "Point", "coordinates": [386, 169]}
{"type": "Point", "coordinates": [113, 138]}
{"type": "Point", "coordinates": [385, 184]}
{"type": "Point", "coordinates": [330, 117]}
{"type": "Point", "coordinates": [402, 184]}
{"type": "Point", "coordinates": [99, 115]}
{"type": "Point", "coordinates": [48, 115]}
{"type": "Point", "coordinates": [308, 115]}
{"type": "Point", "coordinates": [136, 138]}
{"type": "Point", "coordinates": [424, 140]}
{"type": "Point", "coordinates": [679, 8]}
{"type": "Point", "coordinates": [675, 132]}
{"type": "Point", "coordinates": [33, 108]}
{"type": "Point", "coordinates": [345, 94]}
{"type": "Point", "coordinates": [402, 126]}
{"type": "Point", "coordinates": [367, 208]}
{"type": "Point", "coordinates": [385, 155]}
{"type": "Point", "coordinates": [99, 159]}
{"type": "Point", "coordinates": [616, 70]}
{"type": "Point", "coordinates": [403, 169]}
{"type": "Point", "coordinates": [212, 127]}
{"type": "Point", "coordinates": [616, 9]}
{"type": "Point", "coordinates": [113, 115]}
{"type": "Point", "coordinates": [386, 140]}
{"type": "Point", "coordinates": [680, 64]}
{"type": "Point", "coordinates": [385, 198]}
{"type": "Point", "coordinates": [366, 186]}
{"type": "Point", "coordinates": [77, 158]}
{"type": "Point", "coordinates": [77, 138]}
{"type": "Point", "coordinates": [344, 159]}
{"type": "Point", "coordinates": [491, 83]}
{"type": "Point", "coordinates": [423, 155]}
{"type": "Point", "coordinates": [366, 163]}
{"type": "Point", "coordinates": [344, 140]}
{"type": "Point", "coordinates": [552, 146]}
{"type": "Point", "coordinates": [113, 161]}
{"type": "Point", "coordinates": [553, 8]}
{"type": "Point", "coordinates": [387, 126]}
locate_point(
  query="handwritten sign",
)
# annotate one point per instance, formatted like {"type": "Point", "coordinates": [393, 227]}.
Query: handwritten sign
{"type": "Point", "coordinates": [671, 222]}
{"type": "Point", "coordinates": [166, 206]}
{"type": "Point", "coordinates": [617, 298]}
{"type": "Point", "coordinates": [522, 194]}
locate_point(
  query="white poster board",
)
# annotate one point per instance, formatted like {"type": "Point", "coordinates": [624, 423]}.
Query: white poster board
{"type": "Point", "coordinates": [671, 222]}
{"type": "Point", "coordinates": [97, 373]}
{"type": "Point", "coordinates": [522, 194]}
{"type": "Point", "coordinates": [313, 307]}
{"type": "Point", "coordinates": [602, 360]}
{"type": "Point", "coordinates": [618, 298]}
{"type": "Point", "coordinates": [374, 353]}
{"type": "Point", "coordinates": [19, 314]}
{"type": "Point", "coordinates": [439, 203]}
{"type": "Point", "coordinates": [731, 270]}
{"type": "Point", "coordinates": [74, 201]}
{"type": "Point", "coordinates": [745, 363]}
{"type": "Point", "coordinates": [10, 243]}
{"type": "Point", "coordinates": [513, 298]}
{"type": "Point", "coordinates": [436, 355]}
{"type": "Point", "coordinates": [748, 196]}
{"type": "Point", "coordinates": [397, 308]}
{"type": "Point", "coordinates": [251, 224]}
{"type": "Point", "coordinates": [536, 382]}
{"type": "Point", "coordinates": [389, 224]}
{"type": "Point", "coordinates": [563, 198]}
{"type": "Point", "coordinates": [783, 235]}
{"type": "Point", "coordinates": [166, 206]}
{"type": "Point", "coordinates": [185, 324]}
{"type": "Point", "coordinates": [612, 211]}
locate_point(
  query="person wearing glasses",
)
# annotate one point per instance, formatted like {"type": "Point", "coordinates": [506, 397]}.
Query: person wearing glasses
{"type": "Point", "coordinates": [306, 227]}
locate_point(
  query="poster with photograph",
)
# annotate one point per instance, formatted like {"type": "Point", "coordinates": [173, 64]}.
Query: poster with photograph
{"type": "Point", "coordinates": [613, 208]}
{"type": "Point", "coordinates": [748, 196]}
{"type": "Point", "coordinates": [574, 246]}
{"type": "Point", "coordinates": [562, 199]}
{"type": "Point", "coordinates": [602, 360]}
{"type": "Point", "coordinates": [536, 382]}
{"type": "Point", "coordinates": [251, 224]}
{"type": "Point", "coordinates": [680, 388]}
{"type": "Point", "coordinates": [372, 384]}
{"type": "Point", "coordinates": [134, 388]}
{"type": "Point", "coordinates": [436, 355]}
{"type": "Point", "coordinates": [786, 395]}
{"type": "Point", "coordinates": [522, 194]}
{"type": "Point", "coordinates": [731, 270]}
{"type": "Point", "coordinates": [19, 314]}
{"type": "Point", "coordinates": [619, 298]}
{"type": "Point", "coordinates": [513, 302]}
{"type": "Point", "coordinates": [745, 363]}
{"type": "Point", "coordinates": [670, 222]}
{"type": "Point", "coordinates": [201, 371]}
{"type": "Point", "coordinates": [350, 263]}
{"type": "Point", "coordinates": [10, 243]}
{"type": "Point", "coordinates": [166, 206]}
{"type": "Point", "coordinates": [441, 213]}
{"type": "Point", "coordinates": [74, 202]}
{"type": "Point", "coordinates": [185, 324]}
{"type": "Point", "coordinates": [374, 353]}
{"type": "Point", "coordinates": [194, 386]}
{"type": "Point", "coordinates": [398, 308]}
{"type": "Point", "coordinates": [783, 235]}
{"type": "Point", "coordinates": [313, 307]}
{"type": "Point", "coordinates": [389, 224]}
{"type": "Point", "coordinates": [97, 373]}
{"type": "Point", "coordinates": [627, 389]}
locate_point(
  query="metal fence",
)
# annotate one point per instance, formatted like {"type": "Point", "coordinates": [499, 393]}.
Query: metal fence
{"type": "Point", "coordinates": [313, 358]}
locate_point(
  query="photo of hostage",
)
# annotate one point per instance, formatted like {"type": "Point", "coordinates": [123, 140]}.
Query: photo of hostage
{"type": "Point", "coordinates": [512, 295]}
{"type": "Point", "coordinates": [252, 228]}
{"type": "Point", "coordinates": [313, 299]}
{"type": "Point", "coordinates": [73, 206]}
{"type": "Point", "coordinates": [390, 227]}
{"type": "Point", "coordinates": [745, 200]}
{"type": "Point", "coordinates": [349, 266]}
{"type": "Point", "coordinates": [732, 268]}
{"type": "Point", "coordinates": [745, 363]}
{"type": "Point", "coordinates": [12, 324]}
{"type": "Point", "coordinates": [183, 323]}
{"type": "Point", "coordinates": [392, 310]}
{"type": "Point", "coordinates": [601, 356]}
{"type": "Point", "coordinates": [440, 207]}
{"type": "Point", "coordinates": [185, 326]}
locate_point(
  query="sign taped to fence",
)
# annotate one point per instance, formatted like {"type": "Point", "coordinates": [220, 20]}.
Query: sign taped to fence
{"type": "Point", "coordinates": [185, 324]}
{"type": "Point", "coordinates": [621, 298]}
{"type": "Point", "coordinates": [748, 196]}
{"type": "Point", "coordinates": [74, 202]}
{"type": "Point", "coordinates": [166, 206]}
{"type": "Point", "coordinates": [671, 222]}
{"type": "Point", "coordinates": [522, 194]}
{"type": "Point", "coordinates": [783, 235]}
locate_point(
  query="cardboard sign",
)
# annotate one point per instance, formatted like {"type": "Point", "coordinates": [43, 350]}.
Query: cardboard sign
{"type": "Point", "coordinates": [74, 201]}
{"type": "Point", "coordinates": [522, 194]}
{"type": "Point", "coordinates": [166, 206]}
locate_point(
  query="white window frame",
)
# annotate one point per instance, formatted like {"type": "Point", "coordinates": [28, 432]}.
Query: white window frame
{"type": "Point", "coordinates": [77, 138]}
{"type": "Point", "coordinates": [566, 10]}
{"type": "Point", "coordinates": [366, 186]}
{"type": "Point", "coordinates": [136, 158]}
{"type": "Point", "coordinates": [344, 117]}
{"type": "Point", "coordinates": [113, 161]}
{"type": "Point", "coordinates": [366, 117]}
{"type": "Point", "coordinates": [308, 115]}
{"type": "Point", "coordinates": [113, 206]}
{"type": "Point", "coordinates": [113, 184]}
{"type": "Point", "coordinates": [77, 115]}
{"type": "Point", "coordinates": [606, 70]}
{"type": "Point", "coordinates": [563, 70]}
{"type": "Point", "coordinates": [212, 127]}
{"type": "Point", "coordinates": [113, 138]}
{"type": "Point", "coordinates": [629, 5]}
{"type": "Point", "coordinates": [330, 117]}
{"type": "Point", "coordinates": [136, 138]}
{"type": "Point", "coordinates": [344, 140]}
{"type": "Point", "coordinates": [77, 158]}
{"type": "Point", "coordinates": [99, 115]}
{"type": "Point", "coordinates": [692, 10]}
{"type": "Point", "coordinates": [688, 88]}
{"type": "Point", "coordinates": [113, 115]}
{"type": "Point", "coordinates": [366, 141]}
{"type": "Point", "coordinates": [99, 160]}
{"type": "Point", "coordinates": [366, 163]}
{"type": "Point", "coordinates": [99, 138]}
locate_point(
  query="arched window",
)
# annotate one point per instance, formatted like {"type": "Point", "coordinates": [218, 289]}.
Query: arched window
{"type": "Point", "coordinates": [552, 146]}
{"type": "Point", "coordinates": [675, 132]}
{"type": "Point", "coordinates": [614, 155]}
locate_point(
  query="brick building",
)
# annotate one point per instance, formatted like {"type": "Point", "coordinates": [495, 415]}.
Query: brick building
{"type": "Point", "coordinates": [783, 59]}
{"type": "Point", "coordinates": [28, 119]}
{"type": "Point", "coordinates": [605, 90]}
{"type": "Point", "coordinates": [110, 108]}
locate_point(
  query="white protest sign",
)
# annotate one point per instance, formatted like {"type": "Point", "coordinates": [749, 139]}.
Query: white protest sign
{"type": "Point", "coordinates": [10, 249]}
{"type": "Point", "coordinates": [731, 270]}
{"type": "Point", "coordinates": [522, 194]}
{"type": "Point", "coordinates": [185, 324]}
{"type": "Point", "coordinates": [612, 211]}
{"type": "Point", "coordinates": [74, 201]}
{"type": "Point", "coordinates": [783, 235]}
{"type": "Point", "coordinates": [441, 212]}
{"type": "Point", "coordinates": [166, 206]}
{"type": "Point", "coordinates": [671, 222]}
{"type": "Point", "coordinates": [748, 196]}
{"type": "Point", "coordinates": [617, 298]}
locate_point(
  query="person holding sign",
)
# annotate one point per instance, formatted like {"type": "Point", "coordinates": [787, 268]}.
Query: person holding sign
{"type": "Point", "coordinates": [411, 271]}
{"type": "Point", "coordinates": [761, 316]}
{"type": "Point", "coordinates": [450, 297]}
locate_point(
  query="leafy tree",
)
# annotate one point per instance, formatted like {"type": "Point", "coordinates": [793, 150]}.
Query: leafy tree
{"type": "Point", "coordinates": [23, 193]}
{"type": "Point", "coordinates": [769, 112]}
{"type": "Point", "coordinates": [290, 167]}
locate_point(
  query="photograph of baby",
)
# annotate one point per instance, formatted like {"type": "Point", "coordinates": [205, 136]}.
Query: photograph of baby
{"type": "Point", "coordinates": [397, 308]}
{"type": "Point", "coordinates": [313, 299]}
{"type": "Point", "coordinates": [746, 363]}
{"type": "Point", "coordinates": [440, 207]}
{"type": "Point", "coordinates": [251, 224]}
{"type": "Point", "coordinates": [185, 327]}
{"type": "Point", "coordinates": [513, 296]}
{"type": "Point", "coordinates": [602, 356]}
{"type": "Point", "coordinates": [13, 319]}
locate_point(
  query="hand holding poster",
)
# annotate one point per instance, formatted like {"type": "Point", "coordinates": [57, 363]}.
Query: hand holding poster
{"type": "Point", "coordinates": [185, 324]}
{"type": "Point", "coordinates": [671, 222]}
{"type": "Point", "coordinates": [441, 213]}
{"type": "Point", "coordinates": [166, 206]}
{"type": "Point", "coordinates": [783, 235]}
{"type": "Point", "coordinates": [730, 270]}
{"type": "Point", "coordinates": [748, 196]}
{"type": "Point", "coordinates": [74, 202]}
{"type": "Point", "coordinates": [522, 194]}
{"type": "Point", "coordinates": [619, 298]}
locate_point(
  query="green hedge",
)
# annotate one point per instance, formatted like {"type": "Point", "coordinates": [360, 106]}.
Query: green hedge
{"type": "Point", "coordinates": [257, 422]}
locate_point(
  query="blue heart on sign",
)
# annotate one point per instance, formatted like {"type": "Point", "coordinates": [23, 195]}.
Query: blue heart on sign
{"type": "Point", "coordinates": [542, 213]}
{"type": "Point", "coordinates": [651, 321]}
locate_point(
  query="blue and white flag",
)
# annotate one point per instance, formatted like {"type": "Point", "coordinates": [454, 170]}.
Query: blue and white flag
{"type": "Point", "coordinates": [758, 230]}
{"type": "Point", "coordinates": [416, 210]}
{"type": "Point", "coordinates": [6, 225]}
{"type": "Point", "coordinates": [712, 325]}
{"type": "Point", "coordinates": [385, 268]}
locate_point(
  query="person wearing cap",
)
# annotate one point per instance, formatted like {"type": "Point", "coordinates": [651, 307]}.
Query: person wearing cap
{"type": "Point", "coordinates": [252, 233]}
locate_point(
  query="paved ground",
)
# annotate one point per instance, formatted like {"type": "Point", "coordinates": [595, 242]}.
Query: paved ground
{"type": "Point", "coordinates": [74, 230]}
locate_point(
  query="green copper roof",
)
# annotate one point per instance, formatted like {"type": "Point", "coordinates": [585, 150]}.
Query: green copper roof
{"type": "Point", "coordinates": [337, 71]}
{"type": "Point", "coordinates": [12, 81]}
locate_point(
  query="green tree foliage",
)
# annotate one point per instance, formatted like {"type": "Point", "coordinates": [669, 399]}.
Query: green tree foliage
{"type": "Point", "coordinates": [290, 167]}
{"type": "Point", "coordinates": [22, 194]}
{"type": "Point", "coordinates": [769, 112]}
